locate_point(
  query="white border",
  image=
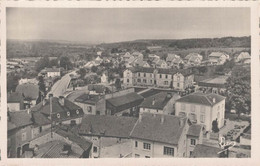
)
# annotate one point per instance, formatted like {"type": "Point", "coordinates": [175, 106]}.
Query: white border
{"type": "Point", "coordinates": [255, 157]}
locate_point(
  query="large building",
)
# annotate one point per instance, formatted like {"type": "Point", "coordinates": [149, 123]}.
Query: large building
{"type": "Point", "coordinates": [163, 78]}
{"type": "Point", "coordinates": [160, 103]}
{"type": "Point", "coordinates": [161, 136]}
{"type": "Point", "coordinates": [202, 108]}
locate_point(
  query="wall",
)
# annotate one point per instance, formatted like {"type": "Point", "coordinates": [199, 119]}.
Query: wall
{"type": "Point", "coordinates": [219, 108]}
{"type": "Point", "coordinates": [180, 81]}
{"type": "Point", "coordinates": [160, 81]}
{"type": "Point", "coordinates": [198, 111]}
{"type": "Point", "coordinates": [155, 151]}
{"type": "Point", "coordinates": [13, 106]}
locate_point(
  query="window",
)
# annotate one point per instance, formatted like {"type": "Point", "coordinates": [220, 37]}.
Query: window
{"type": "Point", "coordinates": [168, 151]}
{"type": "Point", "coordinates": [166, 76]}
{"type": "Point", "coordinates": [144, 80]}
{"type": "Point", "coordinates": [147, 157]}
{"type": "Point", "coordinates": [202, 110]}
{"type": "Point", "coordinates": [139, 74]}
{"type": "Point", "coordinates": [151, 81]}
{"type": "Point", "coordinates": [127, 80]}
{"type": "Point", "coordinates": [178, 84]}
{"type": "Point", "coordinates": [178, 78]}
{"type": "Point", "coordinates": [144, 74]}
{"type": "Point", "coordinates": [137, 155]}
{"type": "Point", "coordinates": [147, 146]}
{"type": "Point", "coordinates": [160, 76]}
{"type": "Point", "coordinates": [77, 112]}
{"type": "Point", "coordinates": [151, 75]}
{"type": "Point", "coordinates": [98, 113]}
{"type": "Point", "coordinates": [202, 118]}
{"type": "Point", "coordinates": [138, 80]}
{"type": "Point", "coordinates": [165, 82]}
{"type": "Point", "coordinates": [193, 108]}
{"type": "Point", "coordinates": [192, 141]}
{"type": "Point", "coordinates": [182, 106]}
{"type": "Point", "coordinates": [89, 109]}
{"type": "Point", "coordinates": [58, 115]}
{"type": "Point", "coordinates": [68, 113]}
{"type": "Point", "coordinates": [95, 149]}
{"type": "Point", "coordinates": [24, 136]}
{"type": "Point", "coordinates": [190, 153]}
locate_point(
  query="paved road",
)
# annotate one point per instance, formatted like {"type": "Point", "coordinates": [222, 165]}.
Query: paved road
{"type": "Point", "coordinates": [60, 87]}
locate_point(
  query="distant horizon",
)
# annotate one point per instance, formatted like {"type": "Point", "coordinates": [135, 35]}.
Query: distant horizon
{"type": "Point", "coordinates": [97, 43]}
{"type": "Point", "coordinates": [111, 25]}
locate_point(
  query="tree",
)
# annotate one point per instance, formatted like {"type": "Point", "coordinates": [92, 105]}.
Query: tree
{"type": "Point", "coordinates": [239, 89]}
{"type": "Point", "coordinates": [53, 62]}
{"type": "Point", "coordinates": [215, 128]}
{"type": "Point", "coordinates": [41, 84]}
{"type": "Point", "coordinates": [65, 63]}
{"type": "Point", "coordinates": [219, 69]}
{"type": "Point", "coordinates": [12, 82]}
{"type": "Point", "coordinates": [42, 63]}
{"type": "Point", "coordinates": [229, 64]}
{"type": "Point", "coordinates": [118, 84]}
{"type": "Point", "coordinates": [82, 72]}
{"type": "Point", "coordinates": [94, 69]}
{"type": "Point", "coordinates": [203, 69]}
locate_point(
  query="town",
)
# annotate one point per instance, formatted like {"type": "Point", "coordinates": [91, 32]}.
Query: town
{"type": "Point", "coordinates": [138, 99]}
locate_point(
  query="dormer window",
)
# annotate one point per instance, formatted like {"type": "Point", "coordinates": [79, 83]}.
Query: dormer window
{"type": "Point", "coordinates": [68, 113]}
{"type": "Point", "coordinates": [77, 111]}
{"type": "Point", "coordinates": [58, 116]}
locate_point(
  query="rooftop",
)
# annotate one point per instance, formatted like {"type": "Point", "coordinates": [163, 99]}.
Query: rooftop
{"type": "Point", "coordinates": [214, 82]}
{"type": "Point", "coordinates": [19, 119]}
{"type": "Point", "coordinates": [14, 97]}
{"type": "Point", "coordinates": [88, 99]}
{"type": "Point", "coordinates": [151, 127]}
{"type": "Point", "coordinates": [126, 101]}
{"type": "Point", "coordinates": [28, 90]}
{"type": "Point", "coordinates": [205, 151]}
{"type": "Point", "coordinates": [105, 125]}
{"type": "Point", "coordinates": [202, 98]}
{"type": "Point", "coordinates": [159, 100]}
{"type": "Point", "coordinates": [194, 130]}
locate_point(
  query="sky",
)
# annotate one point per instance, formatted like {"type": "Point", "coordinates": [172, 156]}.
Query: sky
{"type": "Point", "coordinates": [95, 25]}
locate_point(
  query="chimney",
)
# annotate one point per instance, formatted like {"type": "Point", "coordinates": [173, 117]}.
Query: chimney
{"type": "Point", "coordinates": [61, 100]}
{"type": "Point", "coordinates": [214, 100]}
{"type": "Point", "coordinates": [153, 101]}
{"type": "Point", "coordinates": [162, 119]}
{"type": "Point", "coordinates": [29, 112]}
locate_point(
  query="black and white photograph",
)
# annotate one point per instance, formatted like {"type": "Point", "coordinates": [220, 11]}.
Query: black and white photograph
{"type": "Point", "coordinates": [131, 82]}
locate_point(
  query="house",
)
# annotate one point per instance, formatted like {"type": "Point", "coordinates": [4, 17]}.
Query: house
{"type": "Point", "coordinates": [220, 57]}
{"type": "Point", "coordinates": [30, 93]}
{"type": "Point", "coordinates": [164, 78]}
{"type": "Point", "coordinates": [161, 64]}
{"type": "Point", "coordinates": [127, 56]}
{"type": "Point", "coordinates": [242, 56]}
{"type": "Point", "coordinates": [159, 136]}
{"type": "Point", "coordinates": [126, 104]}
{"type": "Point", "coordinates": [183, 79]}
{"type": "Point", "coordinates": [62, 111]}
{"type": "Point", "coordinates": [202, 108]}
{"type": "Point", "coordinates": [160, 103]}
{"type": "Point", "coordinates": [205, 151]}
{"type": "Point", "coordinates": [108, 133]}
{"type": "Point", "coordinates": [19, 126]}
{"type": "Point", "coordinates": [193, 59]}
{"type": "Point", "coordinates": [246, 61]}
{"type": "Point", "coordinates": [153, 56]}
{"type": "Point", "coordinates": [61, 142]}
{"type": "Point", "coordinates": [174, 61]}
{"type": "Point", "coordinates": [15, 101]}
{"type": "Point", "coordinates": [194, 137]}
{"type": "Point", "coordinates": [92, 104]}
{"type": "Point", "coordinates": [98, 60]}
{"type": "Point", "coordinates": [171, 57]}
{"type": "Point", "coordinates": [214, 85]}
{"type": "Point", "coordinates": [52, 72]}
{"type": "Point", "coordinates": [30, 81]}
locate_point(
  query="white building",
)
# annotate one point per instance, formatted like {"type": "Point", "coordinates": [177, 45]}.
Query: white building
{"type": "Point", "coordinates": [202, 108]}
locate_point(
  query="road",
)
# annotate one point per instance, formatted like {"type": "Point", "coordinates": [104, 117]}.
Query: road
{"type": "Point", "coordinates": [60, 87]}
